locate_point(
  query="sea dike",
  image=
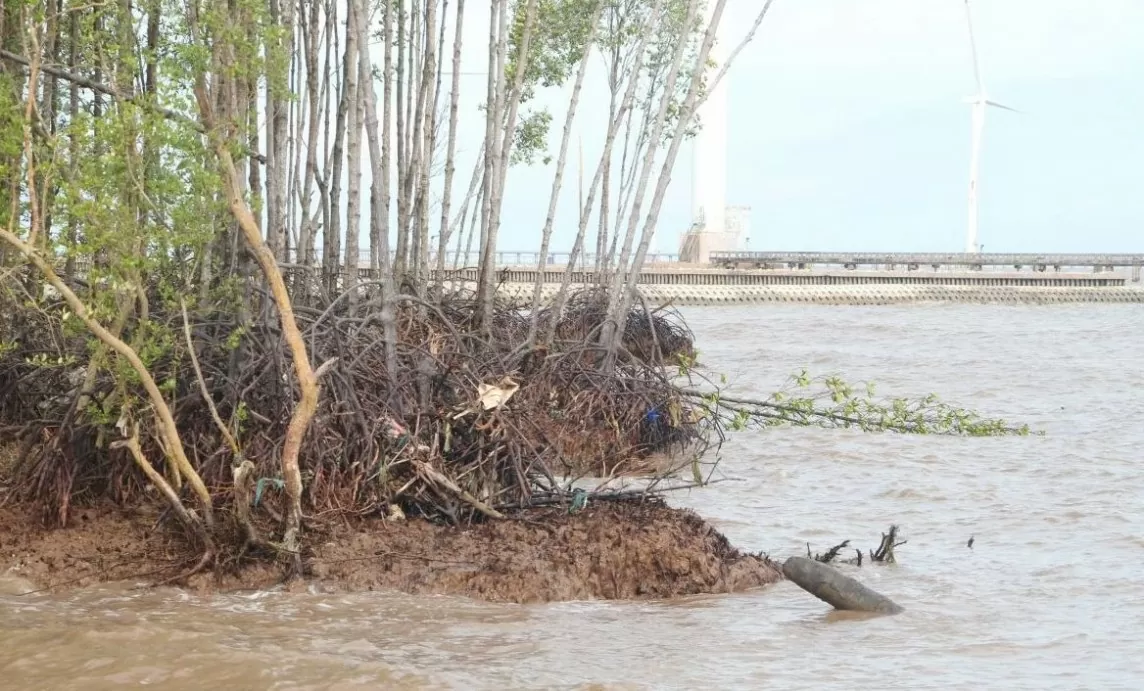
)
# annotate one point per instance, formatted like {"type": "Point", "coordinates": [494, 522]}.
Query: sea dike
{"type": "Point", "coordinates": [715, 287]}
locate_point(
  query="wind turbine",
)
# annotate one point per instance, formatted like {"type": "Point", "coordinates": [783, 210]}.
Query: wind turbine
{"type": "Point", "coordinates": [980, 102]}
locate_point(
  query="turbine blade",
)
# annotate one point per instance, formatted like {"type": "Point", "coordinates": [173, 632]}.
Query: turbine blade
{"type": "Point", "coordinates": [973, 49]}
{"type": "Point", "coordinates": [995, 104]}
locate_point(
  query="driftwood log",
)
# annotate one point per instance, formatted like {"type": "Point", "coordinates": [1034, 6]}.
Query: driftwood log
{"type": "Point", "coordinates": [835, 588]}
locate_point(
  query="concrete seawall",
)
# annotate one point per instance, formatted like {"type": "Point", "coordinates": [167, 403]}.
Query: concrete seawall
{"type": "Point", "coordinates": [698, 285]}
{"type": "Point", "coordinates": [862, 294]}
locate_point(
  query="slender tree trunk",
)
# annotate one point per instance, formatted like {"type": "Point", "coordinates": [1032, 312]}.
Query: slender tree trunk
{"type": "Point", "coordinates": [251, 126]}
{"type": "Point", "coordinates": [506, 140]}
{"type": "Point", "coordinates": [348, 98]}
{"type": "Point", "coordinates": [379, 197]}
{"type": "Point", "coordinates": [558, 178]}
{"type": "Point", "coordinates": [459, 221]}
{"type": "Point", "coordinates": [427, 122]}
{"type": "Point", "coordinates": [272, 227]}
{"type": "Point", "coordinates": [11, 28]}
{"type": "Point", "coordinates": [436, 134]}
{"type": "Point", "coordinates": [353, 153]}
{"type": "Point", "coordinates": [691, 103]}
{"type": "Point", "coordinates": [298, 118]}
{"type": "Point", "coordinates": [477, 207]}
{"type": "Point", "coordinates": [386, 138]}
{"type": "Point", "coordinates": [451, 134]}
{"type": "Point", "coordinates": [497, 22]}
{"type": "Point", "coordinates": [606, 184]}
{"type": "Point", "coordinates": [610, 328]}
{"type": "Point", "coordinates": [413, 60]}
{"type": "Point", "coordinates": [451, 146]}
{"type": "Point", "coordinates": [628, 171]}
{"type": "Point", "coordinates": [402, 152]}
{"type": "Point", "coordinates": [278, 135]}
{"type": "Point", "coordinates": [73, 141]}
{"type": "Point", "coordinates": [650, 25]}
{"type": "Point", "coordinates": [47, 112]}
{"type": "Point", "coordinates": [331, 85]}
{"type": "Point", "coordinates": [614, 76]}
{"type": "Point", "coordinates": [410, 185]}
{"type": "Point", "coordinates": [310, 39]}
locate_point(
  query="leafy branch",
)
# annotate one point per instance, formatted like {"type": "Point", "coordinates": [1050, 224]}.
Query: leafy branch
{"type": "Point", "coordinates": [832, 403]}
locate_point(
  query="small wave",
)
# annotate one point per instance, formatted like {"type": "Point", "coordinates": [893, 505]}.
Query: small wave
{"type": "Point", "coordinates": [911, 493]}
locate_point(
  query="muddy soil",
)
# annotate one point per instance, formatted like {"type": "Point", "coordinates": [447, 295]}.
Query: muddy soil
{"type": "Point", "coordinates": [606, 551]}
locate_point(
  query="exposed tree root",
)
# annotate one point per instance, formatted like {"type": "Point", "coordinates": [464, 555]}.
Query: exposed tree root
{"type": "Point", "coordinates": [200, 566]}
{"type": "Point", "coordinates": [468, 427]}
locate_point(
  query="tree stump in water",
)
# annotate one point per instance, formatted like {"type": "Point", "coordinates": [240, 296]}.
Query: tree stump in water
{"type": "Point", "coordinates": [835, 588]}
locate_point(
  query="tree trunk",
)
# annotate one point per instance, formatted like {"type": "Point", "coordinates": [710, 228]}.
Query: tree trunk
{"type": "Point", "coordinates": [384, 264]}
{"type": "Point", "coordinates": [294, 156]}
{"type": "Point", "coordinates": [348, 98]}
{"type": "Point", "coordinates": [497, 22]}
{"type": "Point", "coordinates": [459, 222]}
{"type": "Point", "coordinates": [477, 209]}
{"type": "Point", "coordinates": [353, 153]}
{"type": "Point", "coordinates": [310, 37]}
{"type": "Point", "coordinates": [73, 141]}
{"type": "Point", "coordinates": [558, 178]}
{"type": "Point", "coordinates": [278, 135]}
{"type": "Point", "coordinates": [306, 376]}
{"type": "Point", "coordinates": [451, 146]}
{"type": "Point", "coordinates": [610, 329]}
{"type": "Point", "coordinates": [331, 85]}
{"type": "Point", "coordinates": [402, 163]}
{"type": "Point", "coordinates": [690, 104]}
{"type": "Point", "coordinates": [379, 195]}
{"type": "Point", "coordinates": [410, 185]}
{"type": "Point", "coordinates": [614, 77]}
{"type": "Point", "coordinates": [651, 23]}
{"type": "Point", "coordinates": [47, 112]}
{"type": "Point", "coordinates": [488, 264]}
{"type": "Point", "coordinates": [427, 119]}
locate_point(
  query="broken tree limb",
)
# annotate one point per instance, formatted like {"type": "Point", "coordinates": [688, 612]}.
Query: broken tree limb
{"type": "Point", "coordinates": [885, 552]}
{"type": "Point", "coordinates": [429, 472]}
{"type": "Point", "coordinates": [835, 588]}
{"type": "Point", "coordinates": [243, 492]}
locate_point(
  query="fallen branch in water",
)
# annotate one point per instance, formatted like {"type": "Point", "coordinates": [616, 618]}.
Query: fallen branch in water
{"type": "Point", "coordinates": [884, 553]}
{"type": "Point", "coordinates": [832, 403]}
{"type": "Point", "coordinates": [832, 553]}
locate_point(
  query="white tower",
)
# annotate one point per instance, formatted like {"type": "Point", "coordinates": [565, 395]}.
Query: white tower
{"type": "Point", "coordinates": [709, 163]}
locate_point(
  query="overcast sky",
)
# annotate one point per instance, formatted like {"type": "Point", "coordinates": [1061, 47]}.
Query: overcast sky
{"type": "Point", "coordinates": [849, 129]}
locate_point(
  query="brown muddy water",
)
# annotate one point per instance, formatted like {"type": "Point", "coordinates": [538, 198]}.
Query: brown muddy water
{"type": "Point", "coordinates": [1050, 596]}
